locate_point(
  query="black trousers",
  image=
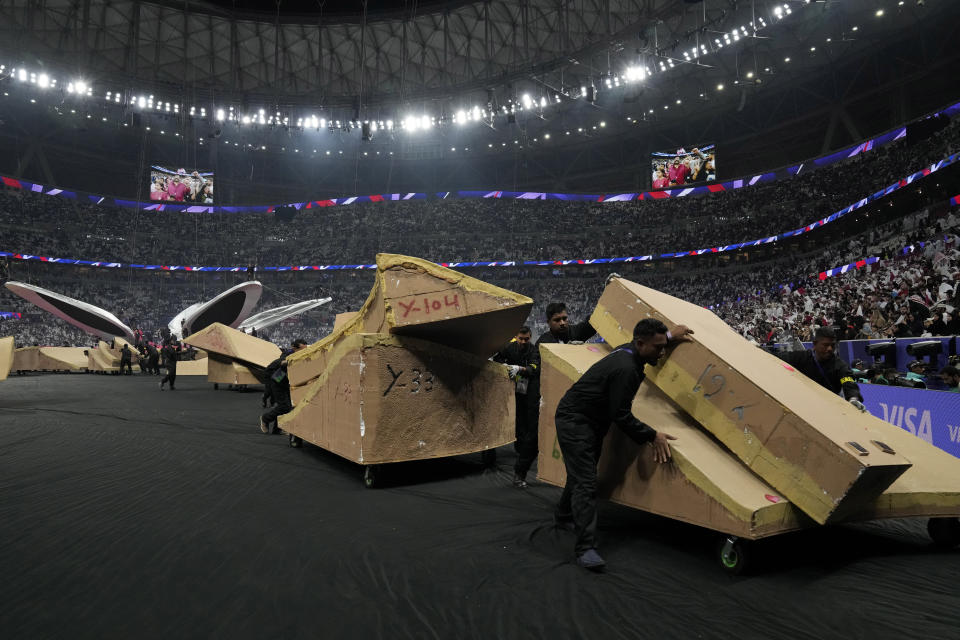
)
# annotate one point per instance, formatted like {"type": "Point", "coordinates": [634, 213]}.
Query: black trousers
{"type": "Point", "coordinates": [171, 376]}
{"type": "Point", "coordinates": [125, 364]}
{"type": "Point", "coordinates": [526, 446]}
{"type": "Point", "coordinates": [281, 395]}
{"type": "Point", "coordinates": [581, 445]}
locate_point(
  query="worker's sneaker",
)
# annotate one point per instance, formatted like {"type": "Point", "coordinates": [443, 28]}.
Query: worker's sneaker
{"type": "Point", "coordinates": [264, 426]}
{"type": "Point", "coordinates": [520, 480]}
{"type": "Point", "coordinates": [591, 560]}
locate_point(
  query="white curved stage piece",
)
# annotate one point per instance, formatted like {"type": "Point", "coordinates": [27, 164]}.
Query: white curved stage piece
{"type": "Point", "coordinates": [85, 316]}
{"type": "Point", "coordinates": [271, 317]}
{"type": "Point", "coordinates": [231, 307]}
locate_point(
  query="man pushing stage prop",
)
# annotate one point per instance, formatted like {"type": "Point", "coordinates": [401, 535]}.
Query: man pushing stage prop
{"type": "Point", "coordinates": [761, 449]}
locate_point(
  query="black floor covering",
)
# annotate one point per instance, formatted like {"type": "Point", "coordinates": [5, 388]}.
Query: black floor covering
{"type": "Point", "coordinates": [127, 512]}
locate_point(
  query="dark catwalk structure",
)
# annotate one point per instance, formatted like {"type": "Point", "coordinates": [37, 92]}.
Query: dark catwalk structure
{"type": "Point", "coordinates": [130, 513]}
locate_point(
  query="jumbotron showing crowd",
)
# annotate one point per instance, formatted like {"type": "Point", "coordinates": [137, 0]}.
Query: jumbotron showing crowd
{"type": "Point", "coordinates": [774, 294]}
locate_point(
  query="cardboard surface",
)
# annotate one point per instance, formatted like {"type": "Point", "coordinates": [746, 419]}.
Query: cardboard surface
{"type": "Point", "coordinates": [192, 367]}
{"type": "Point", "coordinates": [343, 318]}
{"type": "Point", "coordinates": [223, 370]}
{"type": "Point", "coordinates": [785, 428]}
{"type": "Point", "coordinates": [236, 345]}
{"type": "Point", "coordinates": [49, 359]}
{"type": "Point", "coordinates": [105, 359]}
{"type": "Point", "coordinates": [6, 356]}
{"type": "Point", "coordinates": [384, 398]}
{"type": "Point", "coordinates": [704, 484]}
{"type": "Point", "coordinates": [413, 297]}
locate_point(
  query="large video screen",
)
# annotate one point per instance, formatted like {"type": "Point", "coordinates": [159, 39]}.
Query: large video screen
{"type": "Point", "coordinates": [682, 166]}
{"type": "Point", "coordinates": [180, 185]}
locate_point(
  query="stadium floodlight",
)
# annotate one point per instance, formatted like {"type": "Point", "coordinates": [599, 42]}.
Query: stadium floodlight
{"type": "Point", "coordinates": [220, 115]}
{"type": "Point", "coordinates": [22, 75]}
{"type": "Point", "coordinates": [527, 102]}
{"type": "Point", "coordinates": [461, 117]}
{"type": "Point", "coordinates": [425, 122]}
{"type": "Point", "coordinates": [546, 136]}
{"type": "Point", "coordinates": [879, 13]}
{"type": "Point", "coordinates": [43, 81]}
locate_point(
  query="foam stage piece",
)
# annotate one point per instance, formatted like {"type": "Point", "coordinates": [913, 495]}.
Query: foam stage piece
{"type": "Point", "coordinates": [812, 446]}
{"type": "Point", "coordinates": [383, 398]}
{"type": "Point", "coordinates": [83, 315]}
{"type": "Point", "coordinates": [407, 377]}
{"type": "Point", "coordinates": [50, 359]}
{"type": "Point", "coordinates": [231, 307]}
{"type": "Point", "coordinates": [270, 317]}
{"type": "Point", "coordinates": [417, 298]}
{"type": "Point", "coordinates": [6, 356]}
{"type": "Point", "coordinates": [704, 485]}
{"type": "Point", "coordinates": [231, 344]}
{"type": "Point", "coordinates": [223, 370]}
{"type": "Point", "coordinates": [197, 367]}
{"type": "Point", "coordinates": [107, 360]}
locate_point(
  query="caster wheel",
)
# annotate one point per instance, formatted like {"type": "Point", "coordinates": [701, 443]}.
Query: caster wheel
{"type": "Point", "coordinates": [371, 476]}
{"type": "Point", "coordinates": [215, 386]}
{"type": "Point", "coordinates": [945, 532]}
{"type": "Point", "coordinates": [489, 458]}
{"type": "Point", "coordinates": [733, 555]}
{"type": "Point", "coordinates": [295, 442]}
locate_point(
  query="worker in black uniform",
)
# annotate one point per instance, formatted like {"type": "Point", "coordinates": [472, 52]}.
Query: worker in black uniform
{"type": "Point", "coordinates": [170, 357]}
{"type": "Point", "coordinates": [560, 330]}
{"type": "Point", "coordinates": [524, 361]}
{"type": "Point", "coordinates": [279, 387]}
{"type": "Point", "coordinates": [153, 359]}
{"type": "Point", "coordinates": [126, 359]}
{"type": "Point", "coordinates": [604, 395]}
{"type": "Point", "coordinates": [822, 365]}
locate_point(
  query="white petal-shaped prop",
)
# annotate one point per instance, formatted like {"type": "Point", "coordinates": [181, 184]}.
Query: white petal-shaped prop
{"type": "Point", "coordinates": [271, 317]}
{"type": "Point", "coordinates": [84, 316]}
{"type": "Point", "coordinates": [231, 307]}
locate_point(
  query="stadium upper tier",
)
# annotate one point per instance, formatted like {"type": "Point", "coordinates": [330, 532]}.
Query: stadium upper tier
{"type": "Point", "coordinates": [467, 230]}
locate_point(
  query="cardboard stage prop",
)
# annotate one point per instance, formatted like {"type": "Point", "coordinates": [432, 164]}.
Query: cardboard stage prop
{"type": "Point", "coordinates": [408, 376]}
{"type": "Point", "coordinates": [104, 359]}
{"type": "Point", "coordinates": [234, 357]}
{"type": "Point", "coordinates": [49, 359]}
{"type": "Point", "coordinates": [813, 447]}
{"type": "Point", "coordinates": [704, 485]}
{"type": "Point", "coordinates": [6, 356]}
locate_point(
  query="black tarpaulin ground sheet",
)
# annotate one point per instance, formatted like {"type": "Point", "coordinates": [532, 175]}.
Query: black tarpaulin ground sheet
{"type": "Point", "coordinates": [130, 512]}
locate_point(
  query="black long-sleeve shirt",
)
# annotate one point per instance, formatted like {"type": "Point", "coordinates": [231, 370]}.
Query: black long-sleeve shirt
{"type": "Point", "coordinates": [604, 395]}
{"type": "Point", "coordinates": [834, 374]}
{"type": "Point", "coordinates": [525, 355]}
{"type": "Point", "coordinates": [582, 332]}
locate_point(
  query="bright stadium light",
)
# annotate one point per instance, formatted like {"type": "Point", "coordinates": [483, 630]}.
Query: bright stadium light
{"type": "Point", "coordinates": [43, 81]}
{"type": "Point", "coordinates": [461, 117]}
{"type": "Point", "coordinates": [220, 115]}
{"type": "Point", "coordinates": [527, 102]}
{"type": "Point", "coordinates": [22, 75]}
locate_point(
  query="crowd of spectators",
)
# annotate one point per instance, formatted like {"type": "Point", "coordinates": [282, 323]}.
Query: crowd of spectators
{"type": "Point", "coordinates": [770, 300]}
{"type": "Point", "coordinates": [455, 230]}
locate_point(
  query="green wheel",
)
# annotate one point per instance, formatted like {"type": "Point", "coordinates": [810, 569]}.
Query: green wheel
{"type": "Point", "coordinates": [371, 475]}
{"type": "Point", "coordinates": [733, 555]}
